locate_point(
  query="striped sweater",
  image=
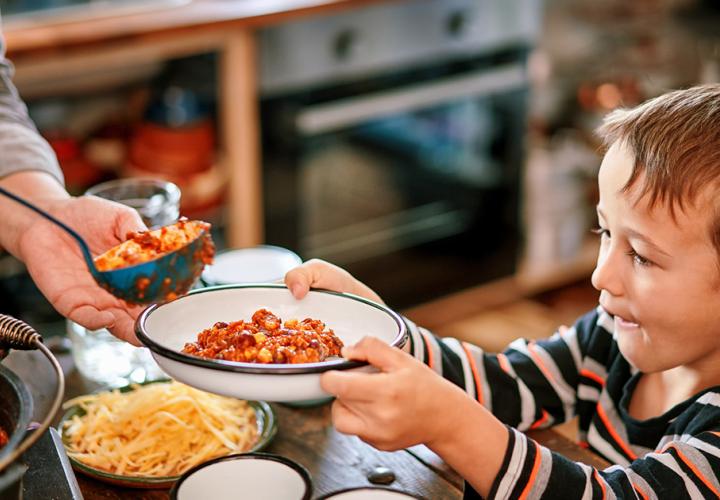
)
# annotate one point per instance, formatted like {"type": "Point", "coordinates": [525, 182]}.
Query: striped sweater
{"type": "Point", "coordinates": [580, 372]}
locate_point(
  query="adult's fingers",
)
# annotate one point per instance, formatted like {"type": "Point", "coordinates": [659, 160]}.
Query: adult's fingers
{"type": "Point", "coordinates": [124, 329]}
{"type": "Point", "coordinates": [377, 353]}
{"type": "Point", "coordinates": [90, 317]}
{"type": "Point", "coordinates": [128, 221]}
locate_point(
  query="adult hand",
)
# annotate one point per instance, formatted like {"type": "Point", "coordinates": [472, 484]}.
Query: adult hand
{"type": "Point", "coordinates": [317, 273]}
{"type": "Point", "coordinates": [55, 262]}
{"type": "Point", "coordinates": [397, 407]}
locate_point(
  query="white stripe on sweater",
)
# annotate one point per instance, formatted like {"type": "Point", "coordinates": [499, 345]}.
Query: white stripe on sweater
{"type": "Point", "coordinates": [704, 446]}
{"type": "Point", "coordinates": [668, 461]}
{"type": "Point", "coordinates": [455, 346]}
{"type": "Point", "coordinates": [571, 340]}
{"type": "Point", "coordinates": [418, 343]}
{"type": "Point", "coordinates": [605, 448]}
{"type": "Point", "coordinates": [515, 466]}
{"type": "Point", "coordinates": [478, 357]}
{"type": "Point", "coordinates": [588, 393]}
{"type": "Point", "coordinates": [556, 381]}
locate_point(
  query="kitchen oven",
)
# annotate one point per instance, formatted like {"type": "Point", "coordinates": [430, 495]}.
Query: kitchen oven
{"type": "Point", "coordinates": [393, 141]}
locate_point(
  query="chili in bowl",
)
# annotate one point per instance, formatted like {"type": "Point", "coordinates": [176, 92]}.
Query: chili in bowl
{"type": "Point", "coordinates": [256, 341]}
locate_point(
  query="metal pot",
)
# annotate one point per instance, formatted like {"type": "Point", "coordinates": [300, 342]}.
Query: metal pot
{"type": "Point", "coordinates": [16, 408]}
{"type": "Point", "coordinates": [15, 413]}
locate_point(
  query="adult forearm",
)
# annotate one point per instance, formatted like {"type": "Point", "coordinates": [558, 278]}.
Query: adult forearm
{"type": "Point", "coordinates": [38, 187]}
{"type": "Point", "coordinates": [21, 146]}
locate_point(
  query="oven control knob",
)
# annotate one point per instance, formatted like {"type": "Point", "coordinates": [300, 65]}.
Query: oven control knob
{"type": "Point", "coordinates": [345, 44]}
{"type": "Point", "coordinates": [457, 23]}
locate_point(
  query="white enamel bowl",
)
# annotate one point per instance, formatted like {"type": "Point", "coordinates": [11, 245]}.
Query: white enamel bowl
{"type": "Point", "coordinates": [368, 493]}
{"type": "Point", "coordinates": [165, 329]}
{"type": "Point", "coordinates": [260, 476]}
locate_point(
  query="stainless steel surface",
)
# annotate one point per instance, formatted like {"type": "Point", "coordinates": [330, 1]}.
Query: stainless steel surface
{"type": "Point", "coordinates": [352, 111]}
{"type": "Point", "coordinates": [388, 37]}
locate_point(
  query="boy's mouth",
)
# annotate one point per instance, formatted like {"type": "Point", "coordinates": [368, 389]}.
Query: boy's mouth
{"type": "Point", "coordinates": [624, 323]}
{"type": "Point", "coordinates": [620, 321]}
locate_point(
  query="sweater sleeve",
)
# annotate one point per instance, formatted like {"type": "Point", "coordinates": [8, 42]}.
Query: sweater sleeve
{"type": "Point", "coordinates": [21, 146]}
{"type": "Point", "coordinates": [686, 467]}
{"type": "Point", "coordinates": [532, 384]}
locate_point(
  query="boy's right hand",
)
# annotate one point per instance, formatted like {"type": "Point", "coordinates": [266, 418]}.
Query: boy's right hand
{"type": "Point", "coordinates": [317, 273]}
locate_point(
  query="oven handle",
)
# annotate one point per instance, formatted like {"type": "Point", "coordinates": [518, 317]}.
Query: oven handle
{"type": "Point", "coordinates": [345, 113]}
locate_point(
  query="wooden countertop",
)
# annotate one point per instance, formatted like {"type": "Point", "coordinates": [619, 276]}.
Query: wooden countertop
{"type": "Point", "coordinates": [305, 435]}
{"type": "Point", "coordinates": [45, 34]}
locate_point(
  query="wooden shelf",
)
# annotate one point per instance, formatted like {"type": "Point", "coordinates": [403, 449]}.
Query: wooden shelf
{"type": "Point", "coordinates": [529, 280]}
{"type": "Point", "coordinates": [534, 278]}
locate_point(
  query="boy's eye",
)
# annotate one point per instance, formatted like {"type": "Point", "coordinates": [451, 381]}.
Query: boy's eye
{"type": "Point", "coordinates": [639, 259]}
{"type": "Point", "coordinates": [601, 231]}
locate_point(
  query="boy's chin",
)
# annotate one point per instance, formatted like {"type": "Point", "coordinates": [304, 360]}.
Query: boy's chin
{"type": "Point", "coordinates": [638, 356]}
{"type": "Point", "coordinates": [644, 362]}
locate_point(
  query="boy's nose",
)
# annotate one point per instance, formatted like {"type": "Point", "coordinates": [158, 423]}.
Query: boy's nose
{"type": "Point", "coordinates": [606, 275]}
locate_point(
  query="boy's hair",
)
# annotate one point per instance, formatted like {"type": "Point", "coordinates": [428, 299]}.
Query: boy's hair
{"type": "Point", "coordinates": [675, 139]}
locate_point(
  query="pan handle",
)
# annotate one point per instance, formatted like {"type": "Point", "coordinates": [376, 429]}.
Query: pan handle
{"type": "Point", "coordinates": [16, 334]}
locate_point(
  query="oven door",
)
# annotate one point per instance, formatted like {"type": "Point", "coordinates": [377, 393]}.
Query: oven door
{"type": "Point", "coordinates": [413, 188]}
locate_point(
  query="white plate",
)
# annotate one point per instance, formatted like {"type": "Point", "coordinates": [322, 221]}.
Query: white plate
{"type": "Point", "coordinates": [260, 264]}
{"type": "Point", "coordinates": [167, 327]}
{"type": "Point", "coordinates": [260, 476]}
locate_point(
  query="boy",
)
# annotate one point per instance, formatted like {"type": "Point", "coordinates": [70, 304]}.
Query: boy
{"type": "Point", "coordinates": [642, 371]}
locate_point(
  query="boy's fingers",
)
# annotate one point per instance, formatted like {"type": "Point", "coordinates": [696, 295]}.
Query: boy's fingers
{"type": "Point", "coordinates": [376, 352]}
{"type": "Point", "coordinates": [298, 281]}
{"type": "Point", "coordinates": [345, 420]}
{"type": "Point", "coordinates": [349, 386]}
{"type": "Point", "coordinates": [308, 275]}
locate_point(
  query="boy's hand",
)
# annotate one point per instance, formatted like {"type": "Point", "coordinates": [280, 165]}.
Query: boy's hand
{"type": "Point", "coordinates": [317, 273]}
{"type": "Point", "coordinates": [397, 407]}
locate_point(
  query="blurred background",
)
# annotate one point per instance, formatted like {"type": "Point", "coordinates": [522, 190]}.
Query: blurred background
{"type": "Point", "coordinates": [428, 146]}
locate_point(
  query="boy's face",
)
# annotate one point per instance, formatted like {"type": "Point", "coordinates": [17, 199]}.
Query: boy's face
{"type": "Point", "coordinates": [657, 276]}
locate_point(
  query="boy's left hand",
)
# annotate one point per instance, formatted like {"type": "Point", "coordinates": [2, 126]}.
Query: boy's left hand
{"type": "Point", "coordinates": [397, 407]}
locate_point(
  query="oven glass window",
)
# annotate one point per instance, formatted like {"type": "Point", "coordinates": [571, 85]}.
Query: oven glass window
{"type": "Point", "coordinates": [417, 200]}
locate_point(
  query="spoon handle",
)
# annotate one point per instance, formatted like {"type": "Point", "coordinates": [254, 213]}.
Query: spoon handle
{"type": "Point", "coordinates": [68, 229]}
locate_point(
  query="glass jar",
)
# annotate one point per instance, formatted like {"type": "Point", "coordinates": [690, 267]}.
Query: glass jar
{"type": "Point", "coordinates": [99, 356]}
{"type": "Point", "coordinates": [157, 201]}
{"type": "Point", "coordinates": [103, 358]}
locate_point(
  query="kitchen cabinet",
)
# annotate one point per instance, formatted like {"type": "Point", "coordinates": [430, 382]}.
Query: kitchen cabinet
{"type": "Point", "coordinates": [67, 52]}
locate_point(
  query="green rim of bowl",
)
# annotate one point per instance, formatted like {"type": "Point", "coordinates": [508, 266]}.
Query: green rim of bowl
{"type": "Point", "coordinates": [264, 416]}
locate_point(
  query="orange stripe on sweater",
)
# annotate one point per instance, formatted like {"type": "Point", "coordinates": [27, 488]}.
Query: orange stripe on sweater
{"type": "Point", "coordinates": [534, 473]}
{"type": "Point", "coordinates": [431, 358]}
{"type": "Point", "coordinates": [606, 421]}
{"type": "Point", "coordinates": [640, 492]}
{"type": "Point", "coordinates": [594, 376]}
{"type": "Point", "coordinates": [473, 367]}
{"type": "Point", "coordinates": [539, 363]}
{"type": "Point", "coordinates": [543, 418]}
{"type": "Point", "coordinates": [504, 362]}
{"type": "Point", "coordinates": [695, 470]}
{"type": "Point", "coordinates": [600, 482]}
